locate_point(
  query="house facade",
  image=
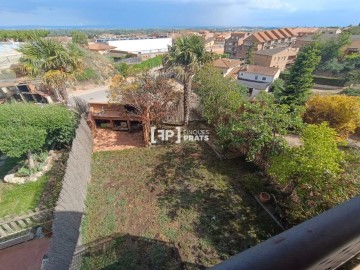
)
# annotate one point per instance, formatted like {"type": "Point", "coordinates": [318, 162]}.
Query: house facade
{"type": "Point", "coordinates": [234, 42]}
{"type": "Point", "coordinates": [257, 78]}
{"type": "Point", "coordinates": [278, 57]}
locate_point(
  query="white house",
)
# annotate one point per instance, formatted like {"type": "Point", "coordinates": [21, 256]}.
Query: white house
{"type": "Point", "coordinates": [142, 46]}
{"type": "Point", "coordinates": [257, 78]}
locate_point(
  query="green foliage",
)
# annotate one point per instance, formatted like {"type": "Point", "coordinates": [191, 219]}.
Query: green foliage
{"type": "Point", "coordinates": [28, 127]}
{"type": "Point", "coordinates": [16, 141]}
{"type": "Point", "coordinates": [351, 92]}
{"type": "Point", "coordinates": [88, 74]}
{"type": "Point", "coordinates": [250, 54]}
{"type": "Point", "coordinates": [21, 198]}
{"type": "Point", "coordinates": [220, 97]}
{"type": "Point", "coordinates": [130, 70]}
{"type": "Point", "coordinates": [79, 38]}
{"type": "Point", "coordinates": [259, 126]}
{"type": "Point", "coordinates": [123, 69]}
{"type": "Point", "coordinates": [186, 55]}
{"type": "Point", "coordinates": [41, 55]}
{"type": "Point", "coordinates": [331, 49]}
{"type": "Point", "coordinates": [329, 81]}
{"type": "Point", "coordinates": [312, 168]}
{"type": "Point", "coordinates": [354, 30]}
{"type": "Point", "coordinates": [277, 87]}
{"type": "Point", "coordinates": [21, 35]}
{"type": "Point", "coordinates": [149, 63]}
{"type": "Point", "coordinates": [300, 80]}
{"type": "Point", "coordinates": [353, 77]}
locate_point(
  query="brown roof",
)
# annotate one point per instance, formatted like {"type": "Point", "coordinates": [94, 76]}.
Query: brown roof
{"type": "Point", "coordinates": [270, 71]}
{"type": "Point", "coordinates": [226, 63]}
{"type": "Point", "coordinates": [304, 30]}
{"type": "Point", "coordinates": [100, 47]}
{"type": "Point", "coordinates": [268, 35]}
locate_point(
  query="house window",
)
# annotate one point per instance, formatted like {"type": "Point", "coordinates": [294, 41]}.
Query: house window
{"type": "Point", "coordinates": [256, 77]}
{"type": "Point", "coordinates": [264, 78]}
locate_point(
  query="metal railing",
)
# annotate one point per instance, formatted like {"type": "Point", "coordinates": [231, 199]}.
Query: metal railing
{"type": "Point", "coordinates": [324, 242]}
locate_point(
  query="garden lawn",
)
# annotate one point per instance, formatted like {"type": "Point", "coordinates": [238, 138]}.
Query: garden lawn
{"type": "Point", "coordinates": [15, 199]}
{"type": "Point", "coordinates": [170, 207]}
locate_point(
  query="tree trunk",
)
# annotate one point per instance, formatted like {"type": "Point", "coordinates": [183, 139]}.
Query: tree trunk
{"type": "Point", "coordinates": [64, 94]}
{"type": "Point", "coordinates": [187, 95]}
{"type": "Point", "coordinates": [30, 160]}
{"type": "Point", "coordinates": [146, 127]}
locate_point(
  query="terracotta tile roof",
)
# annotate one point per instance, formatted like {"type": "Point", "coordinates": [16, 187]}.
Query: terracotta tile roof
{"type": "Point", "coordinates": [268, 35]}
{"type": "Point", "coordinates": [305, 30]}
{"type": "Point", "coordinates": [270, 71]}
{"type": "Point", "coordinates": [226, 63]}
{"type": "Point", "coordinates": [100, 47]}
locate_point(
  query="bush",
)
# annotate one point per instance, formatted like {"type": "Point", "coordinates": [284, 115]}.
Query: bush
{"type": "Point", "coordinates": [340, 111]}
{"type": "Point", "coordinates": [25, 128]}
{"type": "Point", "coordinates": [87, 74]}
{"type": "Point", "coordinates": [351, 92]}
{"type": "Point", "coordinates": [311, 172]}
{"type": "Point", "coordinates": [329, 81]}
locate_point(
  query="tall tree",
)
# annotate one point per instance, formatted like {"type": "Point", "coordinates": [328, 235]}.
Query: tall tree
{"type": "Point", "coordinates": [250, 53]}
{"type": "Point", "coordinates": [186, 55]}
{"type": "Point", "coordinates": [50, 60]}
{"type": "Point", "coordinates": [79, 38]}
{"type": "Point", "coordinates": [300, 80]}
{"type": "Point", "coordinates": [153, 97]}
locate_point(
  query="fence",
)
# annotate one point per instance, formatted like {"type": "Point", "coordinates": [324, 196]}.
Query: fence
{"type": "Point", "coordinates": [71, 204]}
{"type": "Point", "coordinates": [15, 230]}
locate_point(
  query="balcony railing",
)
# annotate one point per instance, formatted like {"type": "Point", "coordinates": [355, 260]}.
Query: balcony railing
{"type": "Point", "coordinates": [323, 242]}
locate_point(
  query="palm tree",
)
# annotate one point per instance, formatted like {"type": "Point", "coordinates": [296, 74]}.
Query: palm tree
{"type": "Point", "coordinates": [187, 54]}
{"type": "Point", "coordinates": [50, 60]}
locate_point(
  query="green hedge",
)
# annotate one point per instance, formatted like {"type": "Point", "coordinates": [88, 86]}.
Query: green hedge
{"type": "Point", "coordinates": [329, 81]}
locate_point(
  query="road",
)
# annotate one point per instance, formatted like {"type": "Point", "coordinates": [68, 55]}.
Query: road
{"type": "Point", "coordinates": [96, 94]}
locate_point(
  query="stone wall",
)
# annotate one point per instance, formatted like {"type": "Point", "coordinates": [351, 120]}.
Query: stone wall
{"type": "Point", "coordinates": [71, 204]}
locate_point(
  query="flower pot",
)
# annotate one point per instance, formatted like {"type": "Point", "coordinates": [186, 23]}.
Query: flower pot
{"type": "Point", "coordinates": [264, 197]}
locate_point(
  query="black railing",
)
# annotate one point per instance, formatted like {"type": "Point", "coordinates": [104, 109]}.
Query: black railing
{"type": "Point", "coordinates": [323, 242]}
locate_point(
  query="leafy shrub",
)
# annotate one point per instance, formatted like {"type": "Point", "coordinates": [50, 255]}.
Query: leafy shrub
{"type": "Point", "coordinates": [311, 170]}
{"type": "Point", "coordinates": [26, 128]}
{"type": "Point", "coordinates": [329, 81]}
{"type": "Point", "coordinates": [351, 92]}
{"type": "Point", "coordinates": [87, 74]}
{"type": "Point", "coordinates": [341, 112]}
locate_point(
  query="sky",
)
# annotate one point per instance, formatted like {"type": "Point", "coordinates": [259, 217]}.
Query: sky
{"type": "Point", "coordinates": [179, 13]}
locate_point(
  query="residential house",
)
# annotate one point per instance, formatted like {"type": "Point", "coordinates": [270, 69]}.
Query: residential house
{"type": "Point", "coordinates": [221, 37]}
{"type": "Point", "coordinates": [279, 57]}
{"type": "Point", "coordinates": [101, 48]}
{"type": "Point", "coordinates": [234, 42]}
{"type": "Point", "coordinates": [226, 65]}
{"type": "Point", "coordinates": [257, 78]}
{"type": "Point", "coordinates": [209, 43]}
{"type": "Point", "coordinates": [305, 31]}
{"type": "Point", "coordinates": [330, 31]}
{"type": "Point", "coordinates": [265, 40]}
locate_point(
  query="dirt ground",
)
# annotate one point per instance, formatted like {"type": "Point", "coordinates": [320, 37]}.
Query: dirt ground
{"type": "Point", "coordinates": [107, 139]}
